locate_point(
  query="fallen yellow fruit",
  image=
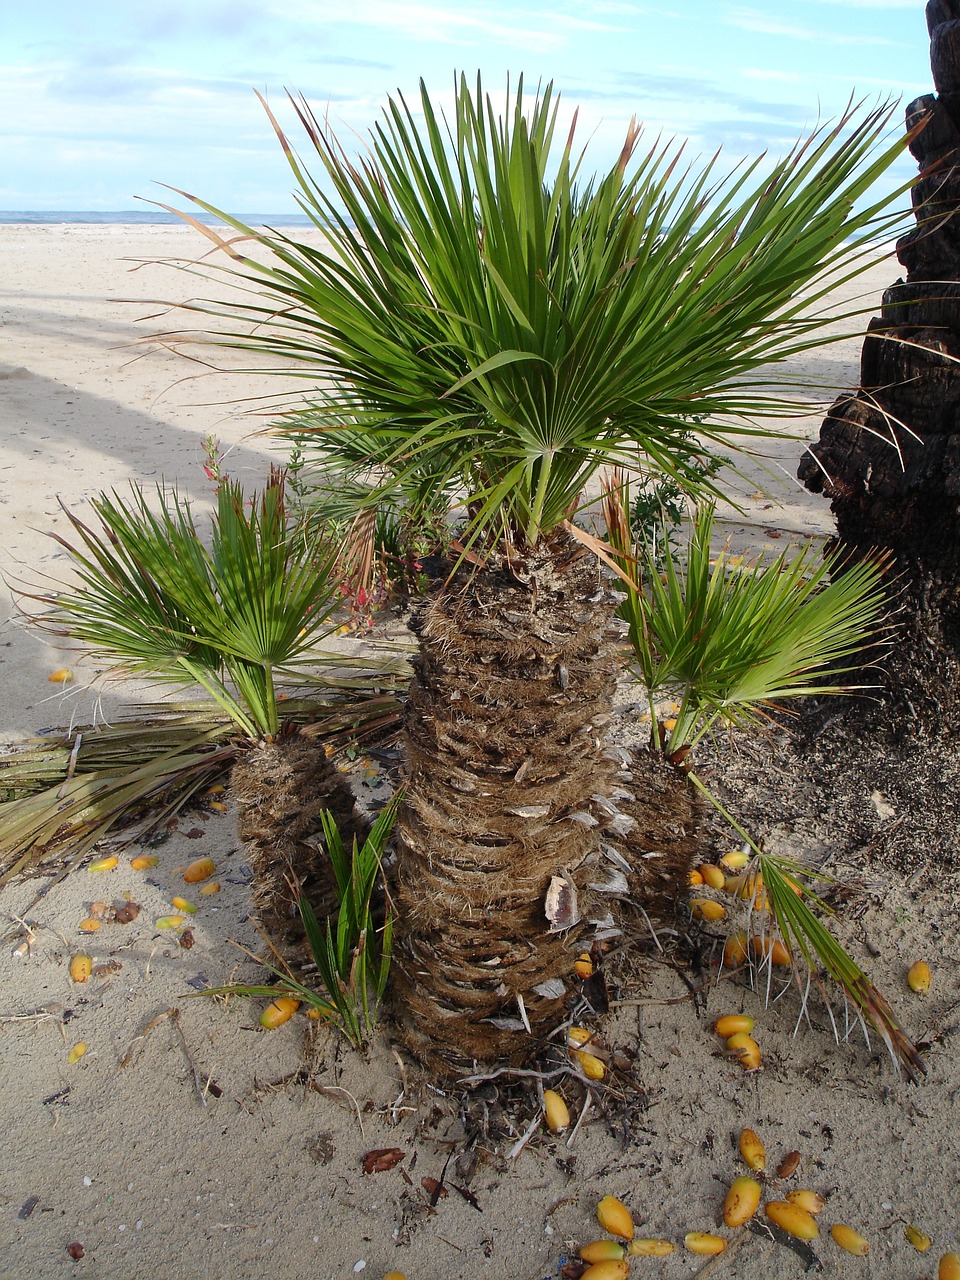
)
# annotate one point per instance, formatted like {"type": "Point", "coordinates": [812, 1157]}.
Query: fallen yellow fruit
{"type": "Point", "coordinates": [746, 1049]}
{"type": "Point", "coordinates": [81, 967]}
{"type": "Point", "coordinates": [919, 1239]}
{"type": "Point", "coordinates": [792, 1219]}
{"type": "Point", "coordinates": [62, 675]}
{"type": "Point", "coordinates": [583, 966]}
{"type": "Point", "coordinates": [918, 977]}
{"type": "Point", "coordinates": [611, 1270]}
{"type": "Point", "coordinates": [730, 1023]}
{"type": "Point", "coordinates": [735, 950]}
{"type": "Point", "coordinates": [850, 1240]}
{"type": "Point", "coordinates": [90, 925]}
{"type": "Point", "coordinates": [742, 1201]}
{"type": "Point", "coordinates": [142, 862]}
{"type": "Point", "coordinates": [712, 875]}
{"type": "Point", "coordinates": [772, 947]}
{"type": "Point", "coordinates": [646, 1247]}
{"type": "Point", "coordinates": [703, 1242]}
{"type": "Point", "coordinates": [591, 1066]}
{"type": "Point", "coordinates": [212, 886]}
{"type": "Point", "coordinates": [753, 1151]}
{"type": "Point", "coordinates": [949, 1268]}
{"type": "Point", "coordinates": [806, 1199]}
{"type": "Point", "coordinates": [278, 1012]}
{"type": "Point", "coordinates": [707, 909]}
{"type": "Point", "coordinates": [556, 1113]}
{"type": "Point", "coordinates": [77, 1052]}
{"type": "Point", "coordinates": [614, 1216]}
{"type": "Point", "coordinates": [104, 864]}
{"type": "Point", "coordinates": [183, 905]}
{"type": "Point", "coordinates": [736, 859]}
{"type": "Point", "coordinates": [199, 870]}
{"type": "Point", "coordinates": [602, 1251]}
{"type": "Point", "coordinates": [169, 922]}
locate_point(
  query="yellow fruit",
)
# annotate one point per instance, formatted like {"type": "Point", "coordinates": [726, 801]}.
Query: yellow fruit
{"type": "Point", "coordinates": [63, 675]}
{"type": "Point", "coordinates": [772, 947]}
{"type": "Point", "coordinates": [712, 876]}
{"type": "Point", "coordinates": [212, 886]}
{"type": "Point", "coordinates": [614, 1216]}
{"type": "Point", "coordinates": [217, 806]}
{"type": "Point", "coordinates": [169, 922]}
{"type": "Point", "coordinates": [278, 1012]}
{"type": "Point", "coordinates": [645, 1247]}
{"type": "Point", "coordinates": [742, 1201]}
{"type": "Point", "coordinates": [556, 1114]}
{"type": "Point", "coordinates": [90, 925]}
{"type": "Point", "coordinates": [792, 1219]}
{"type": "Point", "coordinates": [583, 965]}
{"type": "Point", "coordinates": [602, 1251]}
{"type": "Point", "coordinates": [707, 909]}
{"type": "Point", "coordinates": [142, 862]}
{"type": "Point", "coordinates": [949, 1268]}
{"type": "Point", "coordinates": [395, 1275]}
{"type": "Point", "coordinates": [103, 864]}
{"type": "Point", "coordinates": [736, 860]}
{"type": "Point", "coordinates": [579, 1035]}
{"type": "Point", "coordinates": [77, 1052]}
{"type": "Point", "coordinates": [183, 905]}
{"type": "Point", "coordinates": [850, 1240]}
{"type": "Point", "coordinates": [199, 870]}
{"type": "Point", "coordinates": [918, 977]}
{"type": "Point", "coordinates": [731, 1023]}
{"type": "Point", "coordinates": [694, 878]}
{"type": "Point", "coordinates": [753, 1151]}
{"type": "Point", "coordinates": [735, 950]}
{"type": "Point", "coordinates": [746, 1049]}
{"type": "Point", "coordinates": [703, 1242]}
{"type": "Point", "coordinates": [919, 1239]}
{"type": "Point", "coordinates": [81, 967]}
{"type": "Point", "coordinates": [806, 1199]}
{"type": "Point", "coordinates": [611, 1270]}
{"type": "Point", "coordinates": [591, 1067]}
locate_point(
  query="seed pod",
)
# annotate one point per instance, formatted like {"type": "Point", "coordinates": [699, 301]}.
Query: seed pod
{"type": "Point", "coordinates": [104, 864]}
{"type": "Point", "coordinates": [611, 1270]}
{"type": "Point", "coordinates": [583, 965]}
{"type": "Point", "coordinates": [850, 1240]}
{"type": "Point", "coordinates": [143, 861]}
{"type": "Point", "coordinates": [742, 1201]}
{"type": "Point", "coordinates": [712, 875]}
{"type": "Point", "coordinates": [614, 1216]}
{"type": "Point", "coordinates": [81, 967]}
{"type": "Point", "coordinates": [707, 909]}
{"type": "Point", "coordinates": [703, 1242]}
{"type": "Point", "coordinates": [919, 1239]}
{"type": "Point", "coordinates": [646, 1247]}
{"type": "Point", "coordinates": [731, 1023]}
{"type": "Point", "coordinates": [753, 1151]}
{"type": "Point", "coordinates": [556, 1114]}
{"type": "Point", "coordinates": [806, 1199]}
{"type": "Point", "coordinates": [169, 922]}
{"type": "Point", "coordinates": [789, 1165]}
{"type": "Point", "coordinates": [199, 870]}
{"type": "Point", "coordinates": [602, 1251]}
{"type": "Point", "coordinates": [77, 1052]}
{"type": "Point", "coordinates": [278, 1012]}
{"type": "Point", "coordinates": [792, 1219]}
{"type": "Point", "coordinates": [735, 950]}
{"type": "Point", "coordinates": [949, 1268]}
{"type": "Point", "coordinates": [62, 675]}
{"type": "Point", "coordinates": [90, 925]}
{"type": "Point", "coordinates": [591, 1067]}
{"type": "Point", "coordinates": [183, 905]}
{"type": "Point", "coordinates": [746, 1049]}
{"type": "Point", "coordinates": [918, 977]}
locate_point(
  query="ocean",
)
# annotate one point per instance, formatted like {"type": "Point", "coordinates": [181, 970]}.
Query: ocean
{"type": "Point", "coordinates": [141, 217]}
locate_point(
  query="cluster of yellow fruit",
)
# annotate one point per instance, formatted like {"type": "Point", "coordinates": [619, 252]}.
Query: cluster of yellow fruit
{"type": "Point", "coordinates": [795, 1214]}
{"type": "Point", "coordinates": [731, 877]}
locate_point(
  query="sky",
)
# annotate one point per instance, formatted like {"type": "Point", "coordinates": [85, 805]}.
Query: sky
{"type": "Point", "coordinates": [102, 101]}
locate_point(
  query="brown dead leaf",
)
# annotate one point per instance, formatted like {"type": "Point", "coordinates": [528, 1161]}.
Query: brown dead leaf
{"type": "Point", "coordinates": [127, 913]}
{"type": "Point", "coordinates": [434, 1189]}
{"type": "Point", "coordinates": [381, 1159]}
{"type": "Point", "coordinates": [195, 833]}
{"type": "Point", "coordinates": [187, 939]}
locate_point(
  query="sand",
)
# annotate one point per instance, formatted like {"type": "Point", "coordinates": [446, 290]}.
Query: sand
{"type": "Point", "coordinates": [189, 1142]}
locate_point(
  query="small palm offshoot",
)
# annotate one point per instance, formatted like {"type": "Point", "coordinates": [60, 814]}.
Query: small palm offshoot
{"type": "Point", "coordinates": [729, 643]}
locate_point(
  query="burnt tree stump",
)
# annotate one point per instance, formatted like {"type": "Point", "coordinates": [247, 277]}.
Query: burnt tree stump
{"type": "Point", "coordinates": [888, 454]}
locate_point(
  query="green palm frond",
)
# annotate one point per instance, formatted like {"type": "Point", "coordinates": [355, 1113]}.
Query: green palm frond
{"type": "Point", "coordinates": [488, 320]}
{"type": "Point", "coordinates": [157, 602]}
{"type": "Point", "coordinates": [728, 641]}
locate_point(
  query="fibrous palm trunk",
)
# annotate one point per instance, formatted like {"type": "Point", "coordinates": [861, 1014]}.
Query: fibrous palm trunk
{"type": "Point", "coordinates": [888, 456]}
{"type": "Point", "coordinates": [509, 780]}
{"type": "Point", "coordinates": [280, 789]}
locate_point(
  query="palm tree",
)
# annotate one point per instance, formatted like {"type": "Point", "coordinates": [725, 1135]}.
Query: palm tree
{"type": "Point", "coordinates": [484, 320]}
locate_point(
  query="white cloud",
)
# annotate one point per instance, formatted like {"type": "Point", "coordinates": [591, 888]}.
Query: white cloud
{"type": "Point", "coordinates": [752, 20]}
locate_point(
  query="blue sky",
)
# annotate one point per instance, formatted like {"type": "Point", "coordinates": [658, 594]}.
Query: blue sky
{"type": "Point", "coordinates": [101, 100]}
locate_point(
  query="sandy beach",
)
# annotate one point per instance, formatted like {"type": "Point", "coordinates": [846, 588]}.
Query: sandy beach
{"type": "Point", "coordinates": [190, 1142]}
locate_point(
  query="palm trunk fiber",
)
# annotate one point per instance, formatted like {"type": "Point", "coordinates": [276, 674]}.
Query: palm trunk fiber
{"type": "Point", "coordinates": [504, 753]}
{"type": "Point", "coordinates": [280, 788]}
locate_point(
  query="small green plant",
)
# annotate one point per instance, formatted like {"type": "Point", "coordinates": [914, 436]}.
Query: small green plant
{"type": "Point", "coordinates": [728, 644]}
{"type": "Point", "coordinates": [352, 954]}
